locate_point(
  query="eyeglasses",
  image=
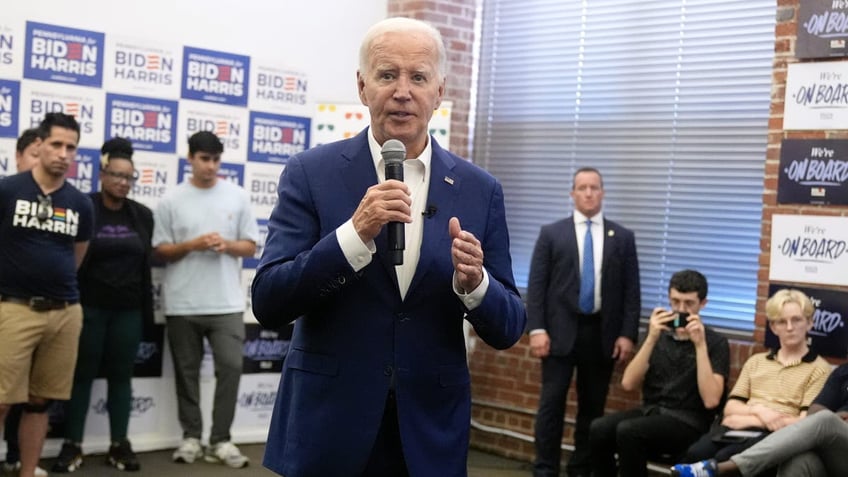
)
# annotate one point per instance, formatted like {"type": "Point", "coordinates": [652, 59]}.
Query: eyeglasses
{"type": "Point", "coordinates": [329, 127]}
{"type": "Point", "coordinates": [797, 321]}
{"type": "Point", "coordinates": [443, 132]}
{"type": "Point", "coordinates": [349, 115]}
{"type": "Point", "coordinates": [45, 208]}
{"type": "Point", "coordinates": [118, 177]}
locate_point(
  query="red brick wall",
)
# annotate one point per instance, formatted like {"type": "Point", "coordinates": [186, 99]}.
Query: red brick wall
{"type": "Point", "coordinates": [455, 21]}
{"type": "Point", "coordinates": [505, 384]}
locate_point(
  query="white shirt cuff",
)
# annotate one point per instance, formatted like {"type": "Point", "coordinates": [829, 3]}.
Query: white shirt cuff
{"type": "Point", "coordinates": [537, 331]}
{"type": "Point", "coordinates": [472, 300]}
{"type": "Point", "coordinates": [357, 253]}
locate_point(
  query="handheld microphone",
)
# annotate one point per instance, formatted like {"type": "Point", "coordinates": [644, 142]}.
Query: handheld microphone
{"type": "Point", "coordinates": [394, 153]}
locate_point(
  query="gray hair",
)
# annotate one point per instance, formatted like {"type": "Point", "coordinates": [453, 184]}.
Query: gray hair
{"type": "Point", "coordinates": [402, 24]}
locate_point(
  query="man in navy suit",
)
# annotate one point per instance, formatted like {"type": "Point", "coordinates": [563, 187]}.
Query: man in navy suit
{"type": "Point", "coordinates": [583, 313]}
{"type": "Point", "coordinates": [376, 381]}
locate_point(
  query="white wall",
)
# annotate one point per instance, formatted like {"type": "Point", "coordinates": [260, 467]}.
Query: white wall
{"type": "Point", "coordinates": [319, 37]}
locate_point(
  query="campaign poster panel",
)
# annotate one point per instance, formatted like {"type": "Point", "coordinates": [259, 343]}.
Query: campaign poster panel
{"type": "Point", "coordinates": [813, 171]}
{"type": "Point", "coordinates": [150, 123]}
{"type": "Point", "coordinates": [143, 68]}
{"type": "Point", "coordinates": [84, 173]}
{"type": "Point", "coordinates": [264, 350]}
{"type": "Point", "coordinates": [215, 76]}
{"type": "Point", "coordinates": [156, 174]}
{"type": "Point", "coordinates": [11, 50]}
{"type": "Point", "coordinates": [822, 29]}
{"type": "Point", "coordinates": [84, 104]}
{"type": "Point", "coordinates": [816, 96]}
{"type": "Point", "coordinates": [10, 99]}
{"type": "Point", "coordinates": [809, 249]}
{"type": "Point", "coordinates": [253, 262]}
{"type": "Point", "coordinates": [7, 157]}
{"type": "Point", "coordinates": [273, 138]}
{"type": "Point", "coordinates": [229, 172]}
{"type": "Point", "coordinates": [227, 122]}
{"type": "Point", "coordinates": [260, 181]}
{"type": "Point", "coordinates": [63, 55]}
{"type": "Point", "coordinates": [279, 89]}
{"type": "Point", "coordinates": [829, 336]}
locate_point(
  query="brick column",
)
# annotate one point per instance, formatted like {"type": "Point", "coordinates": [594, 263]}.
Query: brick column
{"type": "Point", "coordinates": [455, 21]}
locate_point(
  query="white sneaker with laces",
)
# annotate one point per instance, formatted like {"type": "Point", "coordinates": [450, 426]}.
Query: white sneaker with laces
{"type": "Point", "coordinates": [188, 451]}
{"type": "Point", "coordinates": [228, 454]}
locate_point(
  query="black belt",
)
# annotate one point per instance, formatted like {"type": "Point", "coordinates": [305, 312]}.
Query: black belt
{"type": "Point", "coordinates": [37, 303]}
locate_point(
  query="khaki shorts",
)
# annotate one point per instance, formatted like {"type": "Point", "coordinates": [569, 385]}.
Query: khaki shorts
{"type": "Point", "coordinates": [38, 352]}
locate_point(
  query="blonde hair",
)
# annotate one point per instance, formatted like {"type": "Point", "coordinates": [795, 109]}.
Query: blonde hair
{"type": "Point", "coordinates": [775, 304]}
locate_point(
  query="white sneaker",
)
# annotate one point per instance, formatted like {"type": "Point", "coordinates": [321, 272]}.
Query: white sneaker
{"type": "Point", "coordinates": [188, 451]}
{"type": "Point", "coordinates": [11, 468]}
{"type": "Point", "coordinates": [228, 454]}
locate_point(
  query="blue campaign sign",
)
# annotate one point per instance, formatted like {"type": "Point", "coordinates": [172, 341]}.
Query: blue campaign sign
{"type": "Point", "coordinates": [829, 336]}
{"type": "Point", "coordinates": [64, 55]}
{"type": "Point", "coordinates": [215, 76]}
{"type": "Point", "coordinates": [10, 100]}
{"type": "Point", "coordinates": [253, 262]}
{"type": "Point", "coordinates": [151, 124]}
{"type": "Point", "coordinates": [813, 171]}
{"type": "Point", "coordinates": [274, 137]}
{"type": "Point", "coordinates": [84, 173]}
{"type": "Point", "coordinates": [228, 171]}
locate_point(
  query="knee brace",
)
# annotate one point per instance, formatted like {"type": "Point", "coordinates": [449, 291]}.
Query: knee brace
{"type": "Point", "coordinates": [36, 408]}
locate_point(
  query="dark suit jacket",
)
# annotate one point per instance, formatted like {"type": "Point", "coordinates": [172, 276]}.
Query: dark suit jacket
{"type": "Point", "coordinates": [553, 286]}
{"type": "Point", "coordinates": [353, 336]}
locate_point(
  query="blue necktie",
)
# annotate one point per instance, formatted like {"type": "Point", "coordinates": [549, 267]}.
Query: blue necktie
{"type": "Point", "coordinates": [587, 279]}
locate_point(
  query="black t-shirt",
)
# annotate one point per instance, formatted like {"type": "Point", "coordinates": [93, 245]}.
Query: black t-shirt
{"type": "Point", "coordinates": [112, 277]}
{"type": "Point", "coordinates": [671, 383]}
{"type": "Point", "coordinates": [37, 250]}
{"type": "Point", "coordinates": [834, 394]}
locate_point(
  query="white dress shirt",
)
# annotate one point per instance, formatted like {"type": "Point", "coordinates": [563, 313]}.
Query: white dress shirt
{"type": "Point", "coordinates": [416, 175]}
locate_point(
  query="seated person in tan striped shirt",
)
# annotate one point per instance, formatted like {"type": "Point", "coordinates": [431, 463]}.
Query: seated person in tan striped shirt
{"type": "Point", "coordinates": [774, 388]}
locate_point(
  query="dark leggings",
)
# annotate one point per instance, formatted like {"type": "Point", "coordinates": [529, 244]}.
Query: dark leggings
{"type": "Point", "coordinates": [110, 338]}
{"type": "Point", "coordinates": [10, 433]}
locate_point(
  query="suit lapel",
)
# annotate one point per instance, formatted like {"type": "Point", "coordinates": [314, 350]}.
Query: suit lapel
{"type": "Point", "coordinates": [609, 246]}
{"type": "Point", "coordinates": [442, 194]}
{"type": "Point", "coordinates": [359, 174]}
{"type": "Point", "coordinates": [571, 241]}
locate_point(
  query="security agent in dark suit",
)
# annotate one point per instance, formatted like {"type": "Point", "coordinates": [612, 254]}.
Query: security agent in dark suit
{"type": "Point", "coordinates": [577, 319]}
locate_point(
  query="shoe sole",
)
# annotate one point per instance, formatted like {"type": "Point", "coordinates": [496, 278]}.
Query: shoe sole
{"type": "Point", "coordinates": [74, 466]}
{"type": "Point", "coordinates": [121, 466]}
{"type": "Point", "coordinates": [214, 460]}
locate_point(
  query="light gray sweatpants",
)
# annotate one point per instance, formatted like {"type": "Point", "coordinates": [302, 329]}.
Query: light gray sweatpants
{"type": "Point", "coordinates": [812, 447]}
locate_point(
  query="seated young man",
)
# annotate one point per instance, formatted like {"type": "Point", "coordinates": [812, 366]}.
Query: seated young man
{"type": "Point", "coordinates": [682, 367]}
{"type": "Point", "coordinates": [815, 446]}
{"type": "Point", "coordinates": [774, 389]}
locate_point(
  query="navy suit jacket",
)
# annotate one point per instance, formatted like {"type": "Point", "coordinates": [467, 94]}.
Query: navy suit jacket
{"type": "Point", "coordinates": [553, 287]}
{"type": "Point", "coordinates": [354, 337]}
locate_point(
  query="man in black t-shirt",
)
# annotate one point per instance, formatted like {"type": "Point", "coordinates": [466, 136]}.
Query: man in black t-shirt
{"type": "Point", "coordinates": [45, 225]}
{"type": "Point", "coordinates": [682, 367]}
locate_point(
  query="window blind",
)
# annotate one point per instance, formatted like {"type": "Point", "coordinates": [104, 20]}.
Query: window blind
{"type": "Point", "coordinates": [668, 99]}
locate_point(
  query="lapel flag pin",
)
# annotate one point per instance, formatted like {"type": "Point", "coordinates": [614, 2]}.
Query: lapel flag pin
{"type": "Point", "coordinates": [611, 232]}
{"type": "Point", "coordinates": [449, 180]}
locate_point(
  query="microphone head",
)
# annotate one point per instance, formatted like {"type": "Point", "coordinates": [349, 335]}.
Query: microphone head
{"type": "Point", "coordinates": [393, 151]}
